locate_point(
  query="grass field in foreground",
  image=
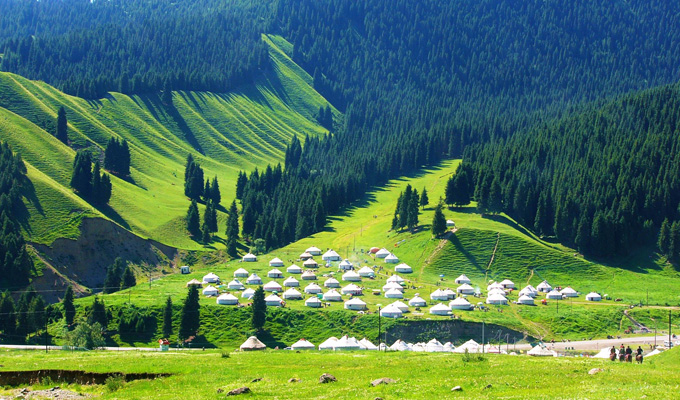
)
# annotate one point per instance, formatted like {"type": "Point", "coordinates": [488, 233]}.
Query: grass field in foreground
{"type": "Point", "coordinates": [199, 375]}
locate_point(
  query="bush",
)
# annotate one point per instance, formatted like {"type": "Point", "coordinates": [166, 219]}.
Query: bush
{"type": "Point", "coordinates": [467, 357]}
{"type": "Point", "coordinates": [86, 336]}
{"type": "Point", "coordinates": [114, 383]}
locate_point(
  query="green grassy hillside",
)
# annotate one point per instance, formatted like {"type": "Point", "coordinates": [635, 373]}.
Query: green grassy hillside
{"type": "Point", "coordinates": [239, 130]}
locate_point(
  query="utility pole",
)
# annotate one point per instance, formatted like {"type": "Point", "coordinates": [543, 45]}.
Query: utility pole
{"type": "Point", "coordinates": [46, 340]}
{"type": "Point", "coordinates": [670, 344]}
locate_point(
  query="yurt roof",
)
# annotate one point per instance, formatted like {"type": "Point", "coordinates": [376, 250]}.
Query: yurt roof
{"type": "Point", "coordinates": [463, 277]}
{"type": "Point", "coordinates": [392, 257]}
{"type": "Point", "coordinates": [254, 276]}
{"type": "Point", "coordinates": [568, 290]}
{"type": "Point", "coordinates": [292, 291]}
{"type": "Point", "coordinates": [313, 286]}
{"type": "Point", "coordinates": [366, 269]}
{"type": "Point", "coordinates": [391, 309]}
{"type": "Point", "coordinates": [290, 279]}
{"type": "Point", "coordinates": [272, 285]}
{"type": "Point", "coordinates": [495, 286]}
{"type": "Point", "coordinates": [465, 286]}
{"type": "Point", "coordinates": [293, 268]}
{"type": "Point", "coordinates": [241, 271]}
{"type": "Point", "coordinates": [306, 255]}
{"type": "Point", "coordinates": [310, 262]}
{"type": "Point", "coordinates": [274, 271]}
{"type": "Point", "coordinates": [350, 274]}
{"type": "Point", "coordinates": [417, 299]}
{"type": "Point", "coordinates": [308, 273]}
{"type": "Point", "coordinates": [544, 285]}
{"type": "Point", "coordinates": [440, 307]}
{"type": "Point", "coordinates": [507, 282]}
{"type": "Point", "coordinates": [356, 301]}
{"type": "Point", "coordinates": [313, 249]}
{"type": "Point", "coordinates": [383, 251]}
{"type": "Point", "coordinates": [194, 282]}
{"type": "Point", "coordinates": [495, 297]}
{"type": "Point", "coordinates": [276, 260]}
{"type": "Point", "coordinates": [331, 280]}
{"type": "Point", "coordinates": [234, 282]}
{"type": "Point", "coordinates": [253, 343]}
{"type": "Point", "coordinates": [332, 293]}
{"type": "Point", "coordinates": [248, 292]}
{"type": "Point", "coordinates": [367, 344]}
{"type": "Point", "coordinates": [303, 343]}
{"type": "Point", "coordinates": [395, 278]}
{"type": "Point", "coordinates": [227, 296]}
{"type": "Point", "coordinates": [498, 292]}
{"type": "Point", "coordinates": [460, 301]}
{"type": "Point", "coordinates": [211, 276]}
{"type": "Point", "coordinates": [438, 293]}
{"type": "Point", "coordinates": [210, 288]}
{"type": "Point", "coordinates": [272, 297]}
{"type": "Point", "coordinates": [393, 292]}
{"type": "Point", "coordinates": [403, 266]}
{"type": "Point", "coordinates": [346, 342]}
{"type": "Point", "coordinates": [312, 300]}
{"type": "Point", "coordinates": [249, 255]}
{"type": "Point", "coordinates": [593, 294]}
{"type": "Point", "coordinates": [345, 262]}
{"type": "Point", "coordinates": [541, 351]}
{"type": "Point", "coordinates": [331, 253]}
{"type": "Point", "coordinates": [524, 298]}
{"type": "Point", "coordinates": [351, 286]}
{"type": "Point", "coordinates": [554, 293]}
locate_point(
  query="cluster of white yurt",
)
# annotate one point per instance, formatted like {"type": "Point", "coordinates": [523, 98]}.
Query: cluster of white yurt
{"type": "Point", "coordinates": [433, 346]}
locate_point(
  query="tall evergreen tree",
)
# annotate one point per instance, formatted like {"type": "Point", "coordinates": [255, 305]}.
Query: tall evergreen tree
{"type": "Point", "coordinates": [190, 320]}
{"type": "Point", "coordinates": [438, 221]}
{"type": "Point", "coordinates": [114, 275]}
{"type": "Point", "coordinates": [259, 308]}
{"type": "Point", "coordinates": [62, 126]}
{"type": "Point", "coordinates": [664, 237]}
{"type": "Point", "coordinates": [98, 313]}
{"type": "Point", "coordinates": [413, 210]}
{"type": "Point", "coordinates": [206, 238]}
{"type": "Point", "coordinates": [193, 220]}
{"type": "Point", "coordinates": [215, 194]}
{"type": "Point", "coordinates": [167, 93]}
{"type": "Point", "coordinates": [67, 304]}
{"type": "Point", "coordinates": [674, 241]}
{"type": "Point", "coordinates": [241, 182]}
{"type": "Point", "coordinates": [167, 318]}
{"type": "Point", "coordinates": [128, 279]}
{"type": "Point", "coordinates": [232, 222]}
{"type": "Point", "coordinates": [81, 179]}
{"type": "Point", "coordinates": [37, 315]}
{"type": "Point", "coordinates": [8, 322]}
{"type": "Point", "coordinates": [424, 200]}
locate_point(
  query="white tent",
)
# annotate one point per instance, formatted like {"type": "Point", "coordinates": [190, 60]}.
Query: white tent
{"type": "Point", "coordinates": [463, 279]}
{"type": "Point", "coordinates": [465, 289]}
{"type": "Point", "coordinates": [526, 300]}
{"type": "Point", "coordinates": [496, 299]}
{"type": "Point", "coordinates": [331, 283]}
{"type": "Point", "coordinates": [417, 301]}
{"type": "Point", "coordinates": [252, 343]}
{"type": "Point", "coordinates": [346, 344]}
{"type": "Point", "coordinates": [392, 285]}
{"type": "Point", "coordinates": [315, 251]}
{"type": "Point", "coordinates": [313, 302]}
{"type": "Point", "coordinates": [249, 258]}
{"type": "Point", "coordinates": [355, 304]}
{"type": "Point", "coordinates": [653, 353]}
{"type": "Point", "coordinates": [273, 300]}
{"type": "Point", "coordinates": [449, 347]}
{"type": "Point", "coordinates": [592, 296]}
{"type": "Point", "coordinates": [554, 295]}
{"type": "Point", "coordinates": [471, 346]}
{"type": "Point", "coordinates": [329, 344]}
{"type": "Point", "coordinates": [540, 351]}
{"type": "Point", "coordinates": [507, 284]}
{"type": "Point", "coordinates": [276, 262]}
{"type": "Point", "coordinates": [392, 259]}
{"type": "Point", "coordinates": [331, 255]}
{"type": "Point", "coordinates": [499, 292]}
{"type": "Point", "coordinates": [275, 273]}
{"type": "Point", "coordinates": [527, 291]}
{"type": "Point", "coordinates": [604, 353]}
{"type": "Point", "coordinates": [495, 285]}
{"type": "Point", "coordinates": [194, 282]}
{"type": "Point", "coordinates": [395, 278]}
{"type": "Point", "coordinates": [403, 269]}
{"type": "Point", "coordinates": [313, 288]}
{"type": "Point", "coordinates": [305, 256]}
{"type": "Point", "coordinates": [450, 294]}
{"type": "Point", "coordinates": [294, 269]}
{"type": "Point", "coordinates": [272, 286]}
{"type": "Point", "coordinates": [403, 307]}
{"type": "Point", "coordinates": [367, 345]}
{"type": "Point", "coordinates": [569, 292]}
{"type": "Point", "coordinates": [434, 346]}
{"type": "Point", "coordinates": [253, 279]}
{"type": "Point", "coordinates": [302, 344]}
{"type": "Point", "coordinates": [382, 253]}
{"type": "Point", "coordinates": [292, 294]}
{"type": "Point", "coordinates": [439, 295]}
{"type": "Point", "coordinates": [450, 224]}
{"type": "Point", "coordinates": [332, 295]}
{"type": "Point", "coordinates": [211, 278]}
{"type": "Point", "coordinates": [240, 273]}
{"type": "Point", "coordinates": [394, 294]}
{"type": "Point", "coordinates": [391, 312]}
{"type": "Point", "coordinates": [291, 282]}
{"type": "Point", "coordinates": [227, 299]}
{"type": "Point", "coordinates": [345, 265]}
{"type": "Point", "coordinates": [417, 347]}
{"type": "Point", "coordinates": [366, 272]}
{"type": "Point", "coordinates": [400, 345]}
{"type": "Point", "coordinates": [351, 276]}
{"type": "Point", "coordinates": [352, 289]}
{"type": "Point", "coordinates": [460, 303]}
{"type": "Point", "coordinates": [210, 291]}
{"type": "Point", "coordinates": [308, 276]}
{"type": "Point", "coordinates": [310, 264]}
{"type": "Point", "coordinates": [440, 309]}
{"type": "Point", "coordinates": [544, 287]}
{"type": "Point", "coordinates": [235, 285]}
{"type": "Point", "coordinates": [248, 293]}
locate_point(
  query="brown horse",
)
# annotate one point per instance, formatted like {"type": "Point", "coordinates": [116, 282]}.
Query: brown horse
{"type": "Point", "coordinates": [622, 356]}
{"type": "Point", "coordinates": [639, 358]}
{"type": "Point", "coordinates": [612, 356]}
{"type": "Point", "coordinates": [629, 358]}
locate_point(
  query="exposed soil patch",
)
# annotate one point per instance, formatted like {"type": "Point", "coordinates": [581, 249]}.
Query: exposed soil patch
{"type": "Point", "coordinates": [52, 393]}
{"type": "Point", "coordinates": [17, 378]}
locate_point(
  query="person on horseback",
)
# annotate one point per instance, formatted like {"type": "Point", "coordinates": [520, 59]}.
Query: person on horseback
{"type": "Point", "coordinates": [612, 353]}
{"type": "Point", "coordinates": [629, 354]}
{"type": "Point", "coordinates": [639, 351]}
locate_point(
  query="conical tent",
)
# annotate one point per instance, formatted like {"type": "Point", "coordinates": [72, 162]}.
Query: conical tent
{"type": "Point", "coordinates": [403, 269]}
{"type": "Point", "coordinates": [249, 258]}
{"type": "Point", "coordinates": [463, 279]}
{"type": "Point", "coordinates": [276, 262]}
{"type": "Point", "coordinates": [248, 293]}
{"type": "Point", "coordinates": [434, 346]}
{"type": "Point", "coordinates": [328, 344]}
{"type": "Point", "coordinates": [315, 251]}
{"type": "Point", "coordinates": [302, 344]}
{"type": "Point", "coordinates": [294, 269]}
{"type": "Point", "coordinates": [471, 346]}
{"type": "Point", "coordinates": [540, 351]}
{"type": "Point", "coordinates": [449, 347]}
{"type": "Point", "coordinates": [366, 272]}
{"type": "Point", "coordinates": [240, 273]}
{"type": "Point", "coordinates": [367, 345]}
{"type": "Point", "coordinates": [460, 303]}
{"type": "Point", "coordinates": [592, 296]}
{"type": "Point", "coordinates": [313, 288]}
{"type": "Point", "coordinates": [417, 301]}
{"type": "Point", "coordinates": [382, 253]}
{"type": "Point", "coordinates": [252, 343]}
{"type": "Point", "coordinates": [399, 345]}
{"type": "Point", "coordinates": [392, 259]}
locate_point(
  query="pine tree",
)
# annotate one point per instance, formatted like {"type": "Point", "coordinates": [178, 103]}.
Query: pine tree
{"type": "Point", "coordinates": [166, 97]}
{"type": "Point", "coordinates": [69, 308]}
{"type": "Point", "coordinates": [8, 322]}
{"type": "Point", "coordinates": [438, 221]}
{"type": "Point", "coordinates": [96, 189]}
{"type": "Point", "coordinates": [207, 191]}
{"type": "Point", "coordinates": [106, 190]}
{"type": "Point", "coordinates": [114, 276]}
{"type": "Point", "coordinates": [62, 126]}
{"type": "Point", "coordinates": [241, 182]}
{"type": "Point", "coordinates": [413, 210]}
{"type": "Point", "coordinates": [674, 241]}
{"type": "Point", "coordinates": [495, 197]}
{"type": "Point", "coordinates": [81, 179]}
{"type": "Point", "coordinates": [98, 313]}
{"type": "Point", "coordinates": [664, 237]}
{"type": "Point", "coordinates": [205, 234]}
{"type": "Point", "coordinates": [259, 308]}
{"type": "Point", "coordinates": [424, 200]}
{"type": "Point", "coordinates": [193, 220]}
{"type": "Point", "coordinates": [128, 279]}
{"type": "Point", "coordinates": [583, 230]}
{"type": "Point", "coordinates": [167, 318]}
{"type": "Point", "coordinates": [190, 320]}
{"type": "Point", "coordinates": [232, 222]}
{"type": "Point", "coordinates": [215, 194]}
{"type": "Point", "coordinates": [450, 191]}
{"type": "Point", "coordinates": [36, 311]}
{"type": "Point", "coordinates": [210, 217]}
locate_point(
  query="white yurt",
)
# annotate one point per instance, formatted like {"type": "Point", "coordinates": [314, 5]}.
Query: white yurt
{"type": "Point", "coordinates": [403, 268]}
{"type": "Point", "coordinates": [394, 294]}
{"type": "Point", "coordinates": [273, 300]}
{"type": "Point", "coordinates": [227, 299]}
{"type": "Point", "coordinates": [460, 303]}
{"type": "Point", "coordinates": [252, 343]}
{"type": "Point", "coordinates": [305, 256]}
{"type": "Point", "coordinates": [496, 299]}
{"type": "Point", "coordinates": [313, 288]}
{"type": "Point", "coordinates": [400, 305]}
{"type": "Point", "coordinates": [355, 304]}
{"type": "Point", "coordinates": [310, 264]}
{"type": "Point", "coordinates": [449, 347]}
{"type": "Point", "coordinates": [253, 279]}
{"type": "Point", "coordinates": [440, 309]}
{"type": "Point", "coordinates": [332, 295]}
{"type": "Point", "coordinates": [211, 278]}
{"type": "Point", "coordinates": [417, 301]}
{"type": "Point", "coordinates": [241, 273]}
{"type": "Point", "coordinates": [527, 291]}
{"type": "Point", "coordinates": [525, 300]}
{"type": "Point", "coordinates": [507, 284]}
{"type": "Point", "coordinates": [554, 295]}
{"type": "Point", "coordinates": [417, 347]}
{"type": "Point", "coordinates": [540, 351]}
{"type": "Point", "coordinates": [294, 269]}
{"type": "Point", "coordinates": [392, 285]}
{"type": "Point", "coordinates": [465, 289]}
{"type": "Point", "coordinates": [400, 345]}
{"type": "Point", "coordinates": [276, 262]}
{"type": "Point", "coordinates": [496, 291]}
{"type": "Point", "coordinates": [544, 287]}
{"type": "Point", "coordinates": [391, 312]}
{"type": "Point", "coordinates": [366, 272]}
{"type": "Point", "coordinates": [382, 253]}
{"type": "Point", "coordinates": [308, 276]}
{"type": "Point", "coordinates": [449, 293]}
{"type": "Point", "coordinates": [439, 295]}
{"type": "Point", "coordinates": [592, 296]}
{"type": "Point", "coordinates": [210, 291]}
{"type": "Point", "coordinates": [331, 255]}
{"type": "Point", "coordinates": [495, 285]}
{"type": "Point", "coordinates": [351, 276]}
{"type": "Point", "coordinates": [395, 278]}
{"type": "Point", "coordinates": [235, 285]}
{"type": "Point", "coordinates": [275, 274]}
{"type": "Point", "coordinates": [367, 345]}
{"type": "Point", "coordinates": [352, 289]}
{"type": "Point", "coordinates": [292, 294]}
{"type": "Point", "coordinates": [346, 343]}
{"type": "Point", "coordinates": [569, 292]}
{"type": "Point", "coordinates": [391, 259]}
{"type": "Point", "coordinates": [315, 251]}
{"type": "Point", "coordinates": [250, 257]}
{"type": "Point", "coordinates": [194, 282]}
{"type": "Point", "coordinates": [302, 344]}
{"type": "Point", "coordinates": [313, 302]}
{"type": "Point", "coordinates": [345, 265]}
{"type": "Point", "coordinates": [291, 282]}
{"type": "Point", "coordinates": [471, 346]}
{"type": "Point", "coordinates": [272, 286]}
{"type": "Point", "coordinates": [328, 344]}
{"type": "Point", "coordinates": [331, 283]}
{"type": "Point", "coordinates": [434, 346]}
{"type": "Point", "coordinates": [450, 224]}
{"type": "Point", "coordinates": [248, 293]}
{"type": "Point", "coordinates": [463, 279]}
